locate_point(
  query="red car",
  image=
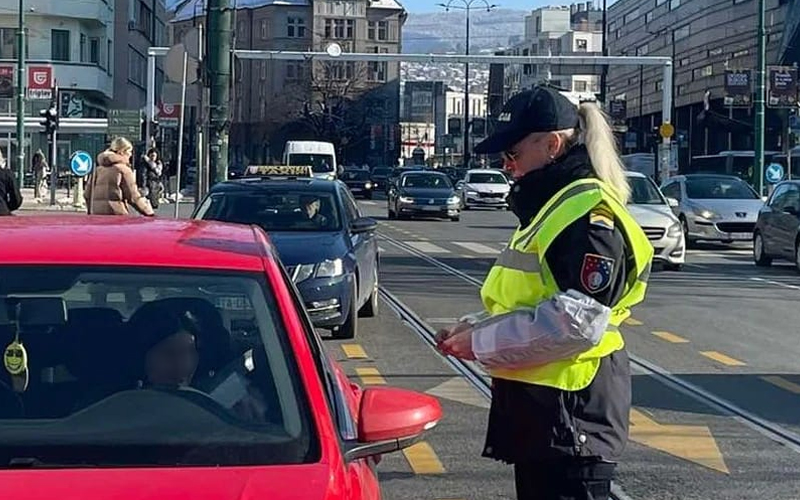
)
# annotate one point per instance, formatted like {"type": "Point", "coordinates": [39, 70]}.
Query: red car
{"type": "Point", "coordinates": [165, 359]}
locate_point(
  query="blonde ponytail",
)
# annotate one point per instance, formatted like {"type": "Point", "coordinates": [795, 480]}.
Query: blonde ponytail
{"type": "Point", "coordinates": [602, 147]}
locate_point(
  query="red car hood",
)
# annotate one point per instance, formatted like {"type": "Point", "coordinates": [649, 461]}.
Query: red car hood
{"type": "Point", "coordinates": [297, 482]}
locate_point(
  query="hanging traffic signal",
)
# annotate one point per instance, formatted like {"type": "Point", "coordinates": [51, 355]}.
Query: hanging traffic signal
{"type": "Point", "coordinates": [49, 119]}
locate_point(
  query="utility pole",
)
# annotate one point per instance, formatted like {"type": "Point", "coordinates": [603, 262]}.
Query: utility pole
{"type": "Point", "coordinates": [21, 79]}
{"type": "Point", "coordinates": [604, 74]}
{"type": "Point", "coordinates": [219, 72]}
{"type": "Point", "coordinates": [760, 98]}
{"type": "Point", "coordinates": [467, 7]}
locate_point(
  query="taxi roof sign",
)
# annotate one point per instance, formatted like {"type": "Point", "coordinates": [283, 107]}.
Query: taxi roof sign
{"type": "Point", "coordinates": [279, 171]}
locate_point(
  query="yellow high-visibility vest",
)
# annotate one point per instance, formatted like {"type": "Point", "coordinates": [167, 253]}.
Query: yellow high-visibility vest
{"type": "Point", "coordinates": [521, 278]}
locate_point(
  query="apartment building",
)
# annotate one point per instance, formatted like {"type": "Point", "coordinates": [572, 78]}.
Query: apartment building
{"type": "Point", "coordinates": [704, 39]}
{"type": "Point", "coordinates": [270, 96]}
{"type": "Point", "coordinates": [558, 31]}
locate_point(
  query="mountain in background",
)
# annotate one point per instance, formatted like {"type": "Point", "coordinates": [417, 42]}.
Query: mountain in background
{"type": "Point", "coordinates": [443, 32]}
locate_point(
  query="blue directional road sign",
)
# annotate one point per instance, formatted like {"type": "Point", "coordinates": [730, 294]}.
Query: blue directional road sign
{"type": "Point", "coordinates": [81, 163]}
{"type": "Point", "coordinates": [774, 173]}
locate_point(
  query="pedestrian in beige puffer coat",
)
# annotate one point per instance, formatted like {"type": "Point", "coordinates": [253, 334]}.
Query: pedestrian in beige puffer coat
{"type": "Point", "coordinates": [111, 187]}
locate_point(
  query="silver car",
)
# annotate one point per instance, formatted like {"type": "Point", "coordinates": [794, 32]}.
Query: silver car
{"type": "Point", "coordinates": [714, 207]}
{"type": "Point", "coordinates": [654, 214]}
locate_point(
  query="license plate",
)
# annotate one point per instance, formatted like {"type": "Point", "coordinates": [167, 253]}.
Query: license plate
{"type": "Point", "coordinates": [742, 236]}
{"type": "Point", "coordinates": [431, 209]}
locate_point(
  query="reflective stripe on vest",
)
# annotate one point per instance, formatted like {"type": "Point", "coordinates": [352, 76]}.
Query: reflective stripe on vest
{"type": "Point", "coordinates": [521, 278]}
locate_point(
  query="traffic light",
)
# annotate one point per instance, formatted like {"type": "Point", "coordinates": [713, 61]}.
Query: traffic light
{"type": "Point", "coordinates": [49, 119]}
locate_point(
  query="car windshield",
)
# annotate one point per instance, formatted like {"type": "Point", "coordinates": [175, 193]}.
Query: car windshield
{"type": "Point", "coordinates": [644, 192]}
{"type": "Point", "coordinates": [382, 172]}
{"type": "Point", "coordinates": [356, 175]}
{"type": "Point", "coordinates": [487, 178]}
{"type": "Point", "coordinates": [319, 163]}
{"type": "Point", "coordinates": [275, 210]}
{"type": "Point", "coordinates": [718, 188]}
{"type": "Point", "coordinates": [141, 367]}
{"type": "Point", "coordinates": [426, 181]}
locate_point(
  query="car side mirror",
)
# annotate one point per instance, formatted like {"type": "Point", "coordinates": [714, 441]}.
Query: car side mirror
{"type": "Point", "coordinates": [791, 210]}
{"type": "Point", "coordinates": [391, 419]}
{"type": "Point", "coordinates": [363, 225]}
{"type": "Point", "coordinates": [672, 202]}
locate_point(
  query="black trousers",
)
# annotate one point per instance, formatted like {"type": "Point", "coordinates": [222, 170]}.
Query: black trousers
{"type": "Point", "coordinates": [568, 479]}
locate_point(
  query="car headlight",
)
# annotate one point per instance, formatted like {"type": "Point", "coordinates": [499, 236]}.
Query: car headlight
{"type": "Point", "coordinates": [675, 230]}
{"type": "Point", "coordinates": [325, 269]}
{"type": "Point", "coordinates": [368, 185]}
{"type": "Point", "coordinates": [705, 213]}
{"type": "Point", "coordinates": [453, 200]}
{"type": "Point", "coordinates": [406, 199]}
{"type": "Point", "coordinates": [330, 268]}
{"type": "Point", "coordinates": [472, 193]}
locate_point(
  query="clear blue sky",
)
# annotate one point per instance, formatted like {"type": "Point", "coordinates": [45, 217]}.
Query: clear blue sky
{"type": "Point", "coordinates": [431, 5]}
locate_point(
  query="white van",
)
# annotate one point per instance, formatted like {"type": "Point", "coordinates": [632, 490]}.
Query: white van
{"type": "Point", "coordinates": [320, 155]}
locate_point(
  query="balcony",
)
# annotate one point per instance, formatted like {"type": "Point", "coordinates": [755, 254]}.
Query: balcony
{"type": "Point", "coordinates": [99, 11]}
{"type": "Point", "coordinates": [83, 76]}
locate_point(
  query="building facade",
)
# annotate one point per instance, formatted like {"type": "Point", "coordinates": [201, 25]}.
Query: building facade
{"type": "Point", "coordinates": [270, 97]}
{"type": "Point", "coordinates": [704, 39]}
{"type": "Point", "coordinates": [575, 30]}
{"type": "Point", "coordinates": [86, 47]}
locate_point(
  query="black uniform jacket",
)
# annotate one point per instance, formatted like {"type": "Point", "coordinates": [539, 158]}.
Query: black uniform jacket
{"type": "Point", "coordinates": [530, 422]}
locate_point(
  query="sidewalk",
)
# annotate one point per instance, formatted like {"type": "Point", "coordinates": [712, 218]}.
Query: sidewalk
{"type": "Point", "coordinates": [66, 203]}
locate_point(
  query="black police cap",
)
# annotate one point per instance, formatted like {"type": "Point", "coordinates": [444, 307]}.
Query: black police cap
{"type": "Point", "coordinates": [541, 109]}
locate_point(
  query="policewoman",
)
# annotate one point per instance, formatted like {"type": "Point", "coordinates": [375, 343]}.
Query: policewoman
{"type": "Point", "coordinates": [554, 299]}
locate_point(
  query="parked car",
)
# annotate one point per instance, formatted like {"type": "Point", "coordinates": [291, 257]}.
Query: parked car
{"type": "Point", "coordinates": [238, 398]}
{"type": "Point", "coordinates": [714, 207]}
{"type": "Point", "coordinates": [427, 194]}
{"type": "Point", "coordinates": [654, 214]}
{"type": "Point", "coordinates": [777, 232]}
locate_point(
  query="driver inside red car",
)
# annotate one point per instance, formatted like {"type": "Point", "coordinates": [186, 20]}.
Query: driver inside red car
{"type": "Point", "coordinates": [169, 347]}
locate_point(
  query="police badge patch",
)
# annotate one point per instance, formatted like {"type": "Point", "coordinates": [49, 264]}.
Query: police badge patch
{"type": "Point", "coordinates": [596, 272]}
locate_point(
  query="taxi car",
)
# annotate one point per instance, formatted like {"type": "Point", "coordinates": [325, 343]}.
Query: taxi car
{"type": "Point", "coordinates": [182, 367]}
{"type": "Point", "coordinates": [328, 247]}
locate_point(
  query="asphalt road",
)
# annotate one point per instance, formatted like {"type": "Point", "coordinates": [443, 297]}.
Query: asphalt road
{"type": "Point", "coordinates": [721, 325]}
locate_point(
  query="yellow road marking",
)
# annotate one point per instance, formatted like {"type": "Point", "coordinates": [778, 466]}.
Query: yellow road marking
{"type": "Point", "coordinates": [633, 322]}
{"type": "Point", "coordinates": [694, 443]}
{"type": "Point", "coordinates": [670, 337]}
{"type": "Point", "coordinates": [782, 383]}
{"type": "Point", "coordinates": [722, 358]}
{"type": "Point", "coordinates": [354, 351]}
{"type": "Point", "coordinates": [370, 376]}
{"type": "Point", "coordinates": [423, 459]}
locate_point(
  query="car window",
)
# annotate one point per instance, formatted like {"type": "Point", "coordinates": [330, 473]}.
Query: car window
{"type": "Point", "coordinates": [356, 175]}
{"type": "Point", "coordinates": [672, 190]}
{"type": "Point", "coordinates": [644, 192]}
{"type": "Point", "coordinates": [426, 181]}
{"type": "Point", "coordinates": [350, 205]}
{"type": "Point", "coordinates": [151, 367]}
{"type": "Point", "coordinates": [320, 163]}
{"type": "Point", "coordinates": [778, 196]}
{"type": "Point", "coordinates": [278, 210]}
{"type": "Point", "coordinates": [792, 198]}
{"type": "Point", "coordinates": [719, 188]}
{"type": "Point", "coordinates": [382, 172]}
{"type": "Point", "coordinates": [487, 178]}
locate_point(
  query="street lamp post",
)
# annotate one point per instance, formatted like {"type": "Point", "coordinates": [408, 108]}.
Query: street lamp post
{"type": "Point", "coordinates": [21, 78]}
{"type": "Point", "coordinates": [467, 6]}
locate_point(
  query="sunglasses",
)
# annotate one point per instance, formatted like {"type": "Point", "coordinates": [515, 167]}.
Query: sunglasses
{"type": "Point", "coordinates": [510, 156]}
